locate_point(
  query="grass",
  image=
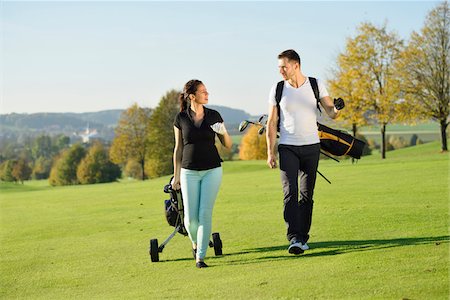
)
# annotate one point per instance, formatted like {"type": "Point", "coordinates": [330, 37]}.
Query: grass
{"type": "Point", "coordinates": [380, 231]}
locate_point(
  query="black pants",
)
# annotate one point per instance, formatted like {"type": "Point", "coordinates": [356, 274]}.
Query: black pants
{"type": "Point", "coordinates": [298, 161]}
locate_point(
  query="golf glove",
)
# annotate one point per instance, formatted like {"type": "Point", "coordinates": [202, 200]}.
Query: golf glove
{"type": "Point", "coordinates": [219, 128]}
{"type": "Point", "coordinates": [339, 103]}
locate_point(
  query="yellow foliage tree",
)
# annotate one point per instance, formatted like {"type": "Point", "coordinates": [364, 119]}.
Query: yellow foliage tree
{"type": "Point", "coordinates": [131, 137]}
{"type": "Point", "coordinates": [345, 83]}
{"type": "Point", "coordinates": [253, 145]}
{"type": "Point", "coordinates": [374, 52]}
{"type": "Point", "coordinates": [425, 70]}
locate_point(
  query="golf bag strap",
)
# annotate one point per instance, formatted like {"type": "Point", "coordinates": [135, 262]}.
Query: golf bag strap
{"type": "Point", "coordinates": [279, 94]}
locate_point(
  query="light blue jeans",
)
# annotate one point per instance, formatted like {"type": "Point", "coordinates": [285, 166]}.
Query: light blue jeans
{"type": "Point", "coordinates": [199, 189]}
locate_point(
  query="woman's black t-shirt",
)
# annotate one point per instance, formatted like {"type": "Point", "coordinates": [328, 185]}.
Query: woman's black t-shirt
{"type": "Point", "coordinates": [199, 151]}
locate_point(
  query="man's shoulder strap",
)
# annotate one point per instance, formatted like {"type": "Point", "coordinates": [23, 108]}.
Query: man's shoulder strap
{"type": "Point", "coordinates": [279, 92]}
{"type": "Point", "coordinates": [315, 87]}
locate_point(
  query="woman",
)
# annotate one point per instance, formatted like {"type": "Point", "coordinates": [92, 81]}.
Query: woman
{"type": "Point", "coordinates": [197, 164]}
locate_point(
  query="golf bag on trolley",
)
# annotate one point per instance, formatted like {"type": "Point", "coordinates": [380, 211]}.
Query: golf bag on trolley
{"type": "Point", "coordinates": [174, 212]}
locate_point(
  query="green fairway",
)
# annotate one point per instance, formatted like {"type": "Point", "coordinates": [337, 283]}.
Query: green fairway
{"type": "Point", "coordinates": [380, 231]}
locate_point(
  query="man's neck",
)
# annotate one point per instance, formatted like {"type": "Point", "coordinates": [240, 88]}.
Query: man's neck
{"type": "Point", "coordinates": [298, 80]}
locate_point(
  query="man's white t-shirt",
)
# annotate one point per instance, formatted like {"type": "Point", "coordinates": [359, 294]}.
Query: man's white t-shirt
{"type": "Point", "coordinates": [298, 113]}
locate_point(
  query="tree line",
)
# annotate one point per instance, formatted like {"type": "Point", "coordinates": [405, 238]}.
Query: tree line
{"type": "Point", "coordinates": [383, 79]}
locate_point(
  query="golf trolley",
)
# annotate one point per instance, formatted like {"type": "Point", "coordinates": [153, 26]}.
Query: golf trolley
{"type": "Point", "coordinates": [175, 217]}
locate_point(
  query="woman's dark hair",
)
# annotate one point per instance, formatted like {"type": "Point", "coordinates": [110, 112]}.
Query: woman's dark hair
{"type": "Point", "coordinates": [189, 88]}
{"type": "Point", "coordinates": [290, 55]}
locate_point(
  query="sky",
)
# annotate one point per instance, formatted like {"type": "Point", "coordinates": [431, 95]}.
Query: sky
{"type": "Point", "coordinates": [85, 56]}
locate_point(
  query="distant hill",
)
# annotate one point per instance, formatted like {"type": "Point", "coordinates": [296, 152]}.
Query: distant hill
{"type": "Point", "coordinates": [14, 126]}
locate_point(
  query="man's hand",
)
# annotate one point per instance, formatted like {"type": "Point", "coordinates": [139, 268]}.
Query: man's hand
{"type": "Point", "coordinates": [219, 128]}
{"type": "Point", "coordinates": [272, 161]}
{"type": "Point", "coordinates": [339, 103]}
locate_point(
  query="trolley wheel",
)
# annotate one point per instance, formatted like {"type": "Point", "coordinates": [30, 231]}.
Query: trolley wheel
{"type": "Point", "coordinates": [217, 243]}
{"type": "Point", "coordinates": [154, 252]}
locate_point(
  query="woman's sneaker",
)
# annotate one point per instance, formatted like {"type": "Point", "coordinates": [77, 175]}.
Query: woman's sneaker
{"type": "Point", "coordinates": [295, 247]}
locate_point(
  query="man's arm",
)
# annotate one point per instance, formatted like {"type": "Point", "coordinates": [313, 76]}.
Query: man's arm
{"type": "Point", "coordinates": [328, 105]}
{"type": "Point", "coordinates": [271, 136]}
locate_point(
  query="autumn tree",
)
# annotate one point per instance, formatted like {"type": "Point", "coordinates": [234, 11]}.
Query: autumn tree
{"type": "Point", "coordinates": [253, 145]}
{"type": "Point", "coordinates": [96, 167]}
{"type": "Point", "coordinates": [6, 171]}
{"type": "Point", "coordinates": [425, 69]}
{"type": "Point", "coordinates": [161, 136]}
{"type": "Point", "coordinates": [346, 83]}
{"type": "Point", "coordinates": [131, 137]}
{"type": "Point", "coordinates": [374, 52]}
{"type": "Point", "coordinates": [21, 170]}
{"type": "Point", "coordinates": [64, 171]}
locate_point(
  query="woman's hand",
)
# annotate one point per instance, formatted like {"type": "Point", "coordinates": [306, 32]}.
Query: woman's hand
{"type": "Point", "coordinates": [219, 128]}
{"type": "Point", "coordinates": [175, 184]}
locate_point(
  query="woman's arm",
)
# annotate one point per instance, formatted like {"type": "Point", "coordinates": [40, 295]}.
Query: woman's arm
{"type": "Point", "coordinates": [223, 135]}
{"type": "Point", "coordinates": [177, 156]}
{"type": "Point", "coordinates": [225, 139]}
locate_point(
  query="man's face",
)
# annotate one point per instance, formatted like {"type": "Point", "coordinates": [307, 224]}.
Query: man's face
{"type": "Point", "coordinates": [287, 68]}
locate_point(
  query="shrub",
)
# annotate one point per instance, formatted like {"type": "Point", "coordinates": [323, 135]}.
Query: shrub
{"type": "Point", "coordinates": [96, 167]}
{"type": "Point", "coordinates": [64, 171]}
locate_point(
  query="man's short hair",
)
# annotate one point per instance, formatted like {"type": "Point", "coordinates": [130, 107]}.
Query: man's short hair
{"type": "Point", "coordinates": [290, 55]}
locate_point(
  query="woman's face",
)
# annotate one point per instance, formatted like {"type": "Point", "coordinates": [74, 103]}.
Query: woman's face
{"type": "Point", "coordinates": [201, 95]}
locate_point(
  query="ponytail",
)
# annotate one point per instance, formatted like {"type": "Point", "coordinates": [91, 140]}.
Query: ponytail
{"type": "Point", "coordinates": [189, 88]}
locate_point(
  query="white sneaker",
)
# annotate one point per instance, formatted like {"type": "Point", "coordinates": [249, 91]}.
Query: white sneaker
{"type": "Point", "coordinates": [295, 248]}
{"type": "Point", "coordinates": [304, 247]}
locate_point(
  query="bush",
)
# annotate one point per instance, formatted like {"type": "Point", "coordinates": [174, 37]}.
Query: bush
{"type": "Point", "coordinates": [64, 171]}
{"type": "Point", "coordinates": [396, 143]}
{"type": "Point", "coordinates": [133, 169]}
{"type": "Point", "coordinates": [41, 169]}
{"type": "Point", "coordinates": [21, 170]}
{"type": "Point", "coordinates": [6, 171]}
{"type": "Point", "coordinates": [253, 145]}
{"type": "Point", "coordinates": [96, 167]}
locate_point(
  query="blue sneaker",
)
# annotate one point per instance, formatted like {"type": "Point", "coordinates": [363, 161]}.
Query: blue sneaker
{"type": "Point", "coordinates": [295, 247]}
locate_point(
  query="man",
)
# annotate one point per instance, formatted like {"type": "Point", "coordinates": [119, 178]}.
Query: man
{"type": "Point", "coordinates": [299, 145]}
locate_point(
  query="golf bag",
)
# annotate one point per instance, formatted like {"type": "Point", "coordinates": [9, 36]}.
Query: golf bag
{"type": "Point", "coordinates": [174, 210]}
{"type": "Point", "coordinates": [335, 142]}
{"type": "Point", "coordinates": [339, 143]}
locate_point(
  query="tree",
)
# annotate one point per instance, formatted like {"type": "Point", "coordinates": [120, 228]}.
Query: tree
{"type": "Point", "coordinates": [64, 171]}
{"type": "Point", "coordinates": [6, 171]}
{"type": "Point", "coordinates": [96, 167]}
{"type": "Point", "coordinates": [42, 167]}
{"type": "Point", "coordinates": [346, 84]}
{"type": "Point", "coordinates": [131, 137]}
{"type": "Point", "coordinates": [21, 170]}
{"type": "Point", "coordinates": [253, 145]}
{"type": "Point", "coordinates": [42, 147]}
{"type": "Point", "coordinates": [161, 136]}
{"type": "Point", "coordinates": [375, 50]}
{"type": "Point", "coordinates": [425, 69]}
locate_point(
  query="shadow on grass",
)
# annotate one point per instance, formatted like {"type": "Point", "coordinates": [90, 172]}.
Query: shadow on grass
{"type": "Point", "coordinates": [335, 248]}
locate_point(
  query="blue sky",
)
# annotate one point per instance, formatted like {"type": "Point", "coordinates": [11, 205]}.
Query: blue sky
{"type": "Point", "coordinates": [90, 56]}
